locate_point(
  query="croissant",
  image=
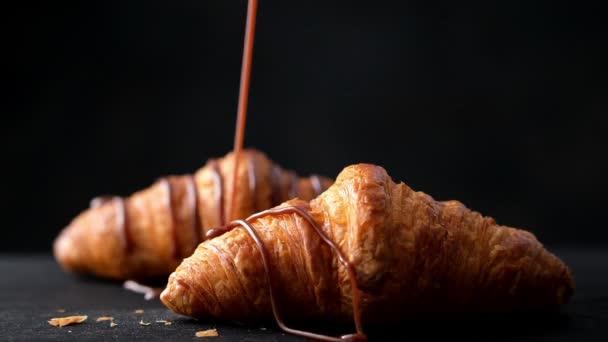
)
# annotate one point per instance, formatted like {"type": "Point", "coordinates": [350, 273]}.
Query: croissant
{"type": "Point", "coordinates": [145, 236]}
{"type": "Point", "coordinates": [370, 249]}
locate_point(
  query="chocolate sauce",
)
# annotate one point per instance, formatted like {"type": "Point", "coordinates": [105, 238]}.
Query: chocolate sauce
{"type": "Point", "coordinates": [174, 226]}
{"type": "Point", "coordinates": [123, 223]}
{"type": "Point", "coordinates": [356, 299]}
{"type": "Point", "coordinates": [239, 135]}
{"type": "Point", "coordinates": [196, 220]}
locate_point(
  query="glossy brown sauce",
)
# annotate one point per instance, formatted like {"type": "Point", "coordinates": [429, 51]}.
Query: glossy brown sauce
{"type": "Point", "coordinates": [165, 182]}
{"type": "Point", "coordinates": [356, 298]}
{"type": "Point", "coordinates": [276, 198]}
{"type": "Point", "coordinates": [293, 185]}
{"type": "Point", "coordinates": [123, 220]}
{"type": "Point", "coordinates": [239, 135]}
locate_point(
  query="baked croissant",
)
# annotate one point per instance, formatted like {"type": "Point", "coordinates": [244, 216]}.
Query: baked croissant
{"type": "Point", "coordinates": [146, 235]}
{"type": "Point", "coordinates": [410, 257]}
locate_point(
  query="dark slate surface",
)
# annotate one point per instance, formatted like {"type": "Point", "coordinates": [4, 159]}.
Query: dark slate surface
{"type": "Point", "coordinates": [32, 288]}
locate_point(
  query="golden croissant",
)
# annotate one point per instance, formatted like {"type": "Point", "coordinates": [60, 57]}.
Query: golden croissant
{"type": "Point", "coordinates": [146, 235]}
{"type": "Point", "coordinates": [405, 256]}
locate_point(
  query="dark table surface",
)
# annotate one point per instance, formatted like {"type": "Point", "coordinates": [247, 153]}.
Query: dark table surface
{"type": "Point", "coordinates": [33, 288]}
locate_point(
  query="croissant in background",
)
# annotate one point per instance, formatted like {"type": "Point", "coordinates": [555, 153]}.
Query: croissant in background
{"type": "Point", "coordinates": [411, 257]}
{"type": "Point", "coordinates": [146, 235]}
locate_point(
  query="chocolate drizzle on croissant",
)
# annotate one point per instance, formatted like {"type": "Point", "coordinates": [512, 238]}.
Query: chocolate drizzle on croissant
{"type": "Point", "coordinates": [272, 284]}
{"type": "Point", "coordinates": [147, 234]}
{"type": "Point", "coordinates": [123, 223]}
{"type": "Point", "coordinates": [413, 256]}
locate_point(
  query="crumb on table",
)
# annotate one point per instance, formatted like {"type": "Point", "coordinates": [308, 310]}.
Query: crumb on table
{"type": "Point", "coordinates": [207, 333]}
{"type": "Point", "coordinates": [63, 321]}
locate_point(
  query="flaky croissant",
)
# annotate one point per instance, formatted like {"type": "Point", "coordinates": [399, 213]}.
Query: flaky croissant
{"type": "Point", "coordinates": [411, 256]}
{"type": "Point", "coordinates": [146, 235]}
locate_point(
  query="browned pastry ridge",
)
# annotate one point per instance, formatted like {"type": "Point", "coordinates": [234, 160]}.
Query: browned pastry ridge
{"type": "Point", "coordinates": [413, 257]}
{"type": "Point", "coordinates": [146, 235]}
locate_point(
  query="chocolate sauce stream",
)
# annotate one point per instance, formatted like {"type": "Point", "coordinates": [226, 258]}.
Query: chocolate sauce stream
{"type": "Point", "coordinates": [239, 135]}
{"type": "Point", "coordinates": [356, 300]}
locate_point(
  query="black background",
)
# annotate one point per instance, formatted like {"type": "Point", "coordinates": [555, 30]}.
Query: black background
{"type": "Point", "coordinates": [501, 105]}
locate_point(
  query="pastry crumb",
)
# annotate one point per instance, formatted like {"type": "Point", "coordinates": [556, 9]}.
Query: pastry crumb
{"type": "Point", "coordinates": [207, 333]}
{"type": "Point", "coordinates": [161, 321]}
{"type": "Point", "coordinates": [112, 324]}
{"type": "Point", "coordinates": [60, 310]}
{"type": "Point", "coordinates": [104, 318]}
{"type": "Point", "coordinates": [144, 323]}
{"type": "Point", "coordinates": [139, 311]}
{"type": "Point", "coordinates": [63, 321]}
{"type": "Point", "coordinates": [168, 323]}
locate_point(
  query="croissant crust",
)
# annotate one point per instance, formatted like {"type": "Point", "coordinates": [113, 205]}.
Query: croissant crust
{"type": "Point", "coordinates": [413, 257]}
{"type": "Point", "coordinates": [146, 236]}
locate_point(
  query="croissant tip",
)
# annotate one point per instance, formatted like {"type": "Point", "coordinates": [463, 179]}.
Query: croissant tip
{"type": "Point", "coordinates": [63, 248]}
{"type": "Point", "coordinates": [362, 171]}
{"type": "Point", "coordinates": [362, 168]}
{"type": "Point", "coordinates": [566, 291]}
{"type": "Point", "coordinates": [177, 296]}
{"type": "Point", "coordinates": [67, 251]}
{"type": "Point", "coordinates": [165, 298]}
